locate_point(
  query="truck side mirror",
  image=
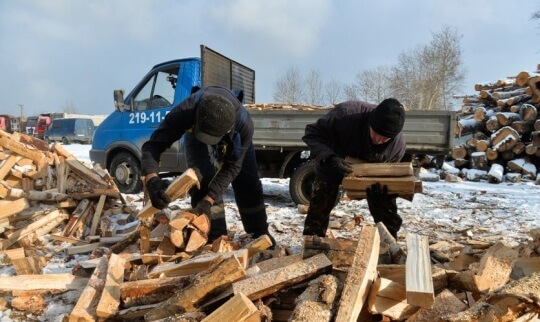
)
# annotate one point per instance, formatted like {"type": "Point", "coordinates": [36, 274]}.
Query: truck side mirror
{"type": "Point", "coordinates": [119, 99]}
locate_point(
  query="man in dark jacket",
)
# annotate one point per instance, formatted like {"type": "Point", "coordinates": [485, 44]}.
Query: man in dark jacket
{"type": "Point", "coordinates": [217, 131]}
{"type": "Point", "coordinates": [359, 130]}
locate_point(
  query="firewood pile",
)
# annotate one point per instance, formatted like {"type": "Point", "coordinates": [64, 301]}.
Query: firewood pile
{"type": "Point", "coordinates": [151, 265]}
{"type": "Point", "coordinates": [504, 124]}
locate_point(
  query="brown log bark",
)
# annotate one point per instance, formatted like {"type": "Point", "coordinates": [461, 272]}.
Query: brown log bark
{"type": "Point", "coordinates": [522, 127]}
{"type": "Point", "coordinates": [492, 154]}
{"type": "Point", "coordinates": [504, 139]}
{"type": "Point", "coordinates": [482, 145]}
{"type": "Point", "coordinates": [528, 113]}
{"type": "Point", "coordinates": [210, 282]}
{"type": "Point", "coordinates": [507, 94]}
{"type": "Point", "coordinates": [492, 124]}
{"type": "Point", "coordinates": [481, 114]}
{"type": "Point", "coordinates": [534, 84]}
{"type": "Point", "coordinates": [506, 118]}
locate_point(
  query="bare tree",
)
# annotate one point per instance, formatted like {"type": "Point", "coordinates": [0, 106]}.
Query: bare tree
{"type": "Point", "coordinates": [314, 85]}
{"type": "Point", "coordinates": [426, 77]}
{"type": "Point", "coordinates": [69, 108]}
{"type": "Point", "coordinates": [350, 92]}
{"type": "Point", "coordinates": [373, 85]}
{"type": "Point", "coordinates": [333, 92]}
{"type": "Point", "coordinates": [289, 88]}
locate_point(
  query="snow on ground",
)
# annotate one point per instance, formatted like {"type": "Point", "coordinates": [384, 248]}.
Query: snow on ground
{"type": "Point", "coordinates": [476, 210]}
{"type": "Point", "coordinates": [456, 211]}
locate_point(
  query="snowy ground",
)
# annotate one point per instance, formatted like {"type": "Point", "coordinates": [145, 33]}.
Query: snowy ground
{"type": "Point", "coordinates": [475, 210]}
{"type": "Point", "coordinates": [456, 211]}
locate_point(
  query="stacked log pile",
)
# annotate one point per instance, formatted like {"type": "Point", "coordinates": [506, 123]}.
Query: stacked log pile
{"type": "Point", "coordinates": [503, 120]}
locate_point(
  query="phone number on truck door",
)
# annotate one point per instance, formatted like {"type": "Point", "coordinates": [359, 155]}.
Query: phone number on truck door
{"type": "Point", "coordinates": [143, 117]}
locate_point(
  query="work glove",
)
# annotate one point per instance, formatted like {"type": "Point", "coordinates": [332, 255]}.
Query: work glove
{"type": "Point", "coordinates": [336, 165]}
{"type": "Point", "coordinates": [156, 191]}
{"type": "Point", "coordinates": [383, 207]}
{"type": "Point", "coordinates": [203, 208]}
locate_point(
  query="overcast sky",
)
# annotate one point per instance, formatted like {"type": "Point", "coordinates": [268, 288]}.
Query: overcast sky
{"type": "Point", "coordinates": [57, 53]}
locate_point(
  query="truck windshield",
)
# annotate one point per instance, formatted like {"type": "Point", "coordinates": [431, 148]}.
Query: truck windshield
{"type": "Point", "coordinates": [158, 91]}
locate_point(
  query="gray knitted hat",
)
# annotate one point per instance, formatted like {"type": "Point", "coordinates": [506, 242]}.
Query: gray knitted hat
{"type": "Point", "coordinates": [215, 117]}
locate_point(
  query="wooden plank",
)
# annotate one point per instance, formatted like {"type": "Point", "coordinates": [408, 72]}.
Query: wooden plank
{"type": "Point", "coordinates": [86, 173]}
{"type": "Point", "coordinates": [495, 267]}
{"type": "Point", "coordinates": [445, 303]}
{"type": "Point", "coordinates": [361, 275]}
{"type": "Point", "coordinates": [177, 189]}
{"type": "Point", "coordinates": [81, 249]}
{"type": "Point", "coordinates": [270, 282]}
{"type": "Point", "coordinates": [14, 207]}
{"type": "Point", "coordinates": [390, 299]}
{"type": "Point", "coordinates": [7, 165]}
{"type": "Point", "coordinates": [317, 301]}
{"type": "Point", "coordinates": [258, 245]}
{"type": "Point", "coordinates": [196, 264]}
{"type": "Point", "coordinates": [400, 169]}
{"type": "Point", "coordinates": [50, 221]}
{"type": "Point", "coordinates": [27, 265]}
{"type": "Point", "coordinates": [14, 253]}
{"type": "Point", "coordinates": [71, 240]}
{"type": "Point", "coordinates": [277, 262]}
{"type": "Point", "coordinates": [21, 149]}
{"type": "Point", "coordinates": [339, 251]}
{"type": "Point", "coordinates": [419, 281]}
{"type": "Point", "coordinates": [85, 309]}
{"type": "Point", "coordinates": [356, 186]}
{"type": "Point", "coordinates": [97, 214]}
{"type": "Point", "coordinates": [110, 298]}
{"type": "Point", "coordinates": [41, 283]}
{"type": "Point", "coordinates": [238, 308]}
{"type": "Point", "coordinates": [139, 289]}
{"type": "Point", "coordinates": [212, 280]}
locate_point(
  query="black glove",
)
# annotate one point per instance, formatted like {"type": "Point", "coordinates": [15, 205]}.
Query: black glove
{"type": "Point", "coordinates": [156, 191]}
{"type": "Point", "coordinates": [383, 207]}
{"type": "Point", "coordinates": [337, 165]}
{"type": "Point", "coordinates": [203, 207]}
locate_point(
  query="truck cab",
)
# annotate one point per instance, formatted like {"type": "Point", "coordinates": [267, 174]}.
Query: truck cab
{"type": "Point", "coordinates": [119, 138]}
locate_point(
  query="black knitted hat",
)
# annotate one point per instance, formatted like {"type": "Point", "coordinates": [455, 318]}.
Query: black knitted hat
{"type": "Point", "coordinates": [215, 117]}
{"type": "Point", "coordinates": [387, 118]}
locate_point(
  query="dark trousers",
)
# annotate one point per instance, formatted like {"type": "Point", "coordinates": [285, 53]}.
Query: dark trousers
{"type": "Point", "coordinates": [323, 199]}
{"type": "Point", "coordinates": [247, 187]}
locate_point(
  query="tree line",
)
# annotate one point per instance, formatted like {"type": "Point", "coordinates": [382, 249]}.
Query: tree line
{"type": "Point", "coordinates": [424, 78]}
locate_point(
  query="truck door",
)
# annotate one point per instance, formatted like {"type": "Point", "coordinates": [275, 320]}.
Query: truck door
{"type": "Point", "coordinates": [151, 101]}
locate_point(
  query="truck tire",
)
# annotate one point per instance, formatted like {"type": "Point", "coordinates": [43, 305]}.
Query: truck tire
{"type": "Point", "coordinates": [126, 170]}
{"type": "Point", "coordinates": [300, 184]}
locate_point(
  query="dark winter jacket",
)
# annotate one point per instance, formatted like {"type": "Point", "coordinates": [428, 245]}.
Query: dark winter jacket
{"type": "Point", "coordinates": [344, 131]}
{"type": "Point", "coordinates": [181, 119]}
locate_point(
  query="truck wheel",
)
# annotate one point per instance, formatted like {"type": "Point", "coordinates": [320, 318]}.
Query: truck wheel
{"type": "Point", "coordinates": [65, 141]}
{"type": "Point", "coordinates": [300, 185]}
{"type": "Point", "coordinates": [126, 171]}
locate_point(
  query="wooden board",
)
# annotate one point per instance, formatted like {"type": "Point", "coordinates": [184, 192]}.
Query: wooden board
{"type": "Point", "coordinates": [41, 283]}
{"type": "Point", "coordinates": [110, 298]}
{"type": "Point", "coordinates": [270, 282]}
{"type": "Point", "coordinates": [187, 299]}
{"type": "Point", "coordinates": [419, 279]}
{"type": "Point", "coordinates": [85, 309]}
{"type": "Point", "coordinates": [361, 275]}
{"type": "Point", "coordinates": [238, 308]}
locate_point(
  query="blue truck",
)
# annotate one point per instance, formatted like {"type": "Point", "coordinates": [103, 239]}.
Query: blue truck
{"type": "Point", "coordinates": [278, 128]}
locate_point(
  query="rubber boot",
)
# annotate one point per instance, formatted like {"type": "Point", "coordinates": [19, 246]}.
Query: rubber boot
{"type": "Point", "coordinates": [218, 223]}
{"type": "Point", "coordinates": [323, 199]}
